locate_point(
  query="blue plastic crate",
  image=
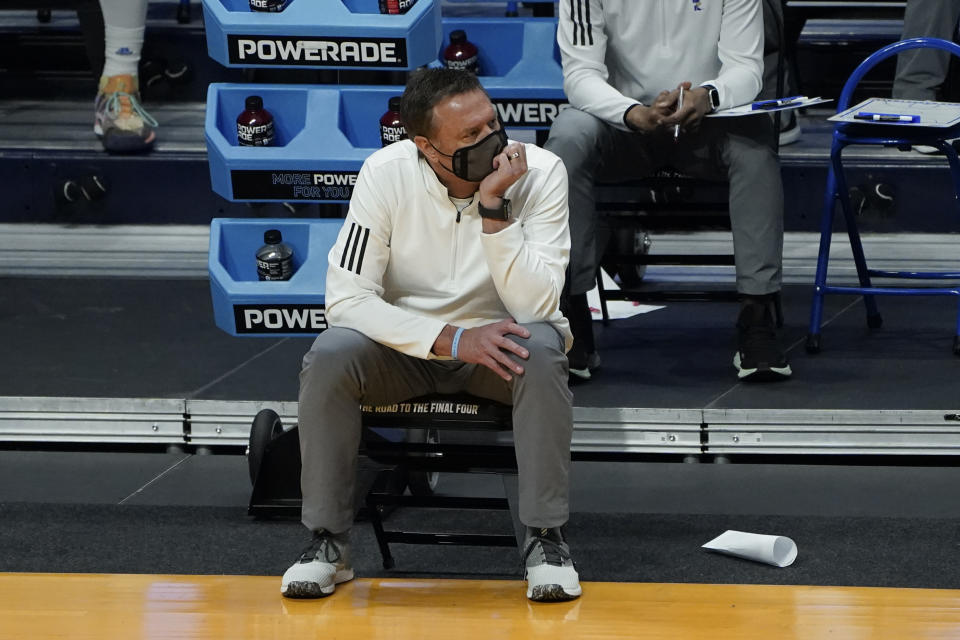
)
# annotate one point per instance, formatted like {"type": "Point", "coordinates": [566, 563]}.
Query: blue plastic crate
{"type": "Point", "coordinates": [519, 66]}
{"type": "Point", "coordinates": [323, 135]}
{"type": "Point", "coordinates": [245, 306]}
{"type": "Point", "coordinates": [322, 34]}
{"type": "Point", "coordinates": [325, 132]}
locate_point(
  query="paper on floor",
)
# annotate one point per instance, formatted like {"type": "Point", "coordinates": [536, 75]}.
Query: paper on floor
{"type": "Point", "coordinates": [776, 550]}
{"type": "Point", "coordinates": [615, 308]}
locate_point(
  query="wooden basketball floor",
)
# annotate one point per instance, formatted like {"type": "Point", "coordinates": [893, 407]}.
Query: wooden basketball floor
{"type": "Point", "coordinates": [105, 607]}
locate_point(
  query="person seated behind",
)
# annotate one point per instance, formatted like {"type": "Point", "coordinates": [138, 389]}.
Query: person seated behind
{"type": "Point", "coordinates": [921, 72]}
{"type": "Point", "coordinates": [624, 66]}
{"type": "Point", "coordinates": [120, 121]}
{"type": "Point", "coordinates": [445, 277]}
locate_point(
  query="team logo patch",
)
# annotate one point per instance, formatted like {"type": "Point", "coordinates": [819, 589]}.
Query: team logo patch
{"type": "Point", "coordinates": [697, 5]}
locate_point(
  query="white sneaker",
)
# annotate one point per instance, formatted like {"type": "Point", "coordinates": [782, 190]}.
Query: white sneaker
{"type": "Point", "coordinates": [322, 566]}
{"type": "Point", "coordinates": [583, 369]}
{"type": "Point", "coordinates": [928, 150]}
{"type": "Point", "coordinates": [550, 574]}
{"type": "Point", "coordinates": [791, 132]}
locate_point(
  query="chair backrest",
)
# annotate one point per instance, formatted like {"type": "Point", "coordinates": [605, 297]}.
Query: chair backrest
{"type": "Point", "coordinates": [882, 54]}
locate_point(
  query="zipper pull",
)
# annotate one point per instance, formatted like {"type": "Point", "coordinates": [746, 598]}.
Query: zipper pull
{"type": "Point", "coordinates": [458, 216]}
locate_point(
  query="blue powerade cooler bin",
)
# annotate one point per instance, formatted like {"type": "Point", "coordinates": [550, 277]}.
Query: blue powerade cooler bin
{"type": "Point", "coordinates": [245, 306]}
{"type": "Point", "coordinates": [520, 66]}
{"type": "Point", "coordinates": [323, 133]}
{"type": "Point", "coordinates": [322, 34]}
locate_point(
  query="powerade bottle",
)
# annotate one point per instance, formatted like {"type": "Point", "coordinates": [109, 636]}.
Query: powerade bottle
{"type": "Point", "coordinates": [255, 124]}
{"type": "Point", "coordinates": [274, 258]}
{"type": "Point", "coordinates": [395, 6]}
{"type": "Point", "coordinates": [272, 6]}
{"type": "Point", "coordinates": [391, 127]}
{"type": "Point", "coordinates": [461, 53]}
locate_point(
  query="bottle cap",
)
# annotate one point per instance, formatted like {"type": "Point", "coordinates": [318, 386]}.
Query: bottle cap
{"type": "Point", "coordinates": [254, 103]}
{"type": "Point", "coordinates": [394, 103]}
{"type": "Point", "coordinates": [272, 236]}
{"type": "Point", "coordinates": [457, 36]}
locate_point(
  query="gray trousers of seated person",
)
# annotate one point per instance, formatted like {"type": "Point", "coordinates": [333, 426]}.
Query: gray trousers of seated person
{"type": "Point", "coordinates": [345, 369]}
{"type": "Point", "coordinates": [921, 72]}
{"type": "Point", "coordinates": [736, 149]}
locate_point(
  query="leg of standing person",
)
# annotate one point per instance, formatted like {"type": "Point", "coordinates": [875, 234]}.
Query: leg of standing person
{"type": "Point", "coordinates": [542, 432]}
{"type": "Point", "coordinates": [920, 72]}
{"type": "Point", "coordinates": [342, 369]}
{"type": "Point", "coordinates": [120, 121]}
{"type": "Point", "coordinates": [583, 142]}
{"type": "Point", "coordinates": [741, 150]}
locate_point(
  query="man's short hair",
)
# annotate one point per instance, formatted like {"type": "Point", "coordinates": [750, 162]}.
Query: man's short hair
{"type": "Point", "coordinates": [425, 89]}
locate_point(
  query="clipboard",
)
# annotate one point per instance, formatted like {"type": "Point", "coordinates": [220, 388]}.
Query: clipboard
{"type": "Point", "coordinates": [939, 115]}
{"type": "Point", "coordinates": [748, 110]}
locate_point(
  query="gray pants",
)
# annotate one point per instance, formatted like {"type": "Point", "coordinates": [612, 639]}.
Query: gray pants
{"type": "Point", "coordinates": [738, 149]}
{"type": "Point", "coordinates": [345, 369]}
{"type": "Point", "coordinates": [921, 71]}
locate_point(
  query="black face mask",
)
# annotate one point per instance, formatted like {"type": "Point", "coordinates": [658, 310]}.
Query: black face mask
{"type": "Point", "coordinates": [475, 162]}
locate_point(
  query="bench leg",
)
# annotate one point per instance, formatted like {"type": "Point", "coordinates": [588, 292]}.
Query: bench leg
{"type": "Point", "coordinates": [601, 293]}
{"type": "Point", "coordinates": [381, 485]}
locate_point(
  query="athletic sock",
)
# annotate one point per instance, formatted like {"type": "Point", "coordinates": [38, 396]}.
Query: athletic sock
{"type": "Point", "coordinates": [124, 22]}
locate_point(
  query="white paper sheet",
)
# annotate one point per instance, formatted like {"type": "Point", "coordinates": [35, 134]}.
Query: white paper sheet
{"type": "Point", "coordinates": [748, 110]}
{"type": "Point", "coordinates": [615, 308]}
{"type": "Point", "coordinates": [778, 551]}
{"type": "Point", "coordinates": [932, 114]}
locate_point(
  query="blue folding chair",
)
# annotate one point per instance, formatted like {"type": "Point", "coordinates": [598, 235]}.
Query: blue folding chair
{"type": "Point", "coordinates": [845, 134]}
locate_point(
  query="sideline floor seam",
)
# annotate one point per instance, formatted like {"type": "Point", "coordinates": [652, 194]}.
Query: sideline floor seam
{"type": "Point", "coordinates": [153, 480]}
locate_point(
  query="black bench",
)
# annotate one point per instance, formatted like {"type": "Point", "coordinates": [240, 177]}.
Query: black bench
{"type": "Point", "coordinates": [422, 437]}
{"type": "Point", "coordinates": [412, 441]}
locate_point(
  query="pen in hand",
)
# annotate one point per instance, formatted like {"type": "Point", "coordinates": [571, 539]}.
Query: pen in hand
{"type": "Point", "coordinates": [676, 127]}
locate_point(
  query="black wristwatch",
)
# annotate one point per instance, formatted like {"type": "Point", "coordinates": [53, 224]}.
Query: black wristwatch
{"type": "Point", "coordinates": [714, 97]}
{"type": "Point", "coordinates": [501, 213]}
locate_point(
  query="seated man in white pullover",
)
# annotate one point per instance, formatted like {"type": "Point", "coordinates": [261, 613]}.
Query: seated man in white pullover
{"type": "Point", "coordinates": [446, 277]}
{"type": "Point", "coordinates": [623, 65]}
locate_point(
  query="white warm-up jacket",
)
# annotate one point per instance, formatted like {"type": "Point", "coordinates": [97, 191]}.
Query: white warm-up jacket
{"type": "Point", "coordinates": [406, 264]}
{"type": "Point", "coordinates": [617, 53]}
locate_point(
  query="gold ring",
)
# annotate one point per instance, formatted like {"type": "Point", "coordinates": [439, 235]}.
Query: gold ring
{"type": "Point", "coordinates": [515, 154]}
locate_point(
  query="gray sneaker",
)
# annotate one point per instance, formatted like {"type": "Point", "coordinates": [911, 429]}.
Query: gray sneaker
{"type": "Point", "coordinates": [322, 566]}
{"type": "Point", "coordinates": [550, 574]}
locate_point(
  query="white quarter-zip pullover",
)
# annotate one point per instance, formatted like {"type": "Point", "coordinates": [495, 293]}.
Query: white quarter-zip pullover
{"type": "Point", "coordinates": [617, 53]}
{"type": "Point", "coordinates": [406, 262]}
